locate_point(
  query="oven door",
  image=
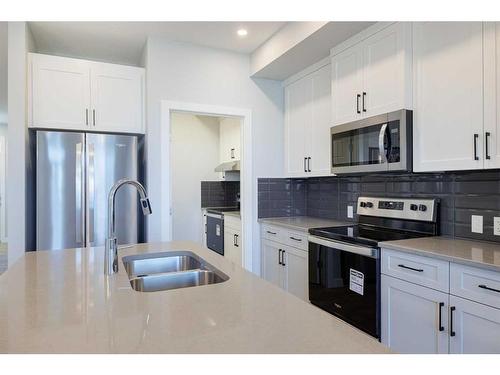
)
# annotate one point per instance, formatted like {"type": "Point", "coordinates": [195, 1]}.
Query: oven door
{"type": "Point", "coordinates": [344, 280]}
{"type": "Point", "coordinates": [376, 144]}
{"type": "Point", "coordinates": [215, 233]}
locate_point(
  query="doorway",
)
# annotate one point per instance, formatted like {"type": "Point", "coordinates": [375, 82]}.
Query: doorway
{"type": "Point", "coordinates": [171, 111]}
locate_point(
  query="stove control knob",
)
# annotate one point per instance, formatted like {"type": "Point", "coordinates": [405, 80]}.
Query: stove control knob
{"type": "Point", "coordinates": [362, 204]}
{"type": "Point", "coordinates": [422, 207]}
{"type": "Point", "coordinates": [413, 207]}
{"type": "Point", "coordinates": [369, 204]}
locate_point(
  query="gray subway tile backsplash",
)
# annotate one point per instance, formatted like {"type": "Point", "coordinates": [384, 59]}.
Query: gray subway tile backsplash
{"type": "Point", "coordinates": [219, 193]}
{"type": "Point", "coordinates": [461, 195]}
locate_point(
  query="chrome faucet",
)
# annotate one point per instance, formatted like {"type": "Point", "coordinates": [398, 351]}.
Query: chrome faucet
{"type": "Point", "coordinates": [111, 248]}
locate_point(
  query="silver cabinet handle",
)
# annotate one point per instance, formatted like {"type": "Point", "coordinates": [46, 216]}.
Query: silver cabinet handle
{"type": "Point", "coordinates": [270, 232]}
{"type": "Point", "coordinates": [79, 196]}
{"type": "Point", "coordinates": [93, 116]}
{"type": "Point", "coordinates": [381, 150]}
{"type": "Point", "coordinates": [283, 258]}
{"type": "Point", "coordinates": [476, 136]}
{"type": "Point", "coordinates": [309, 164]}
{"type": "Point", "coordinates": [305, 164]}
{"type": "Point", "coordinates": [86, 116]}
{"type": "Point", "coordinates": [279, 256]}
{"type": "Point", "coordinates": [296, 239]}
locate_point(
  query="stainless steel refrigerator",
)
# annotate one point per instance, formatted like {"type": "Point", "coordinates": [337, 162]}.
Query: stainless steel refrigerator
{"type": "Point", "coordinates": [74, 173]}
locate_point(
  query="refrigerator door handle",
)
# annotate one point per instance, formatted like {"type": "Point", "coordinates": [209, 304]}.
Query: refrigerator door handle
{"type": "Point", "coordinates": [91, 190]}
{"type": "Point", "coordinates": [79, 194]}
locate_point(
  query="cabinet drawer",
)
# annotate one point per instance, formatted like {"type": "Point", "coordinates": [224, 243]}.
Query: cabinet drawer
{"type": "Point", "coordinates": [475, 284]}
{"type": "Point", "coordinates": [273, 233]}
{"type": "Point", "coordinates": [425, 271]}
{"type": "Point", "coordinates": [297, 240]}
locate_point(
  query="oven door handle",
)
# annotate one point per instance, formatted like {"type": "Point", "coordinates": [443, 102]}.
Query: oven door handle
{"type": "Point", "coordinates": [381, 149]}
{"type": "Point", "coordinates": [361, 250]}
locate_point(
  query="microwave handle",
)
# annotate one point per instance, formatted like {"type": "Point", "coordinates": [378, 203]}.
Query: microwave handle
{"type": "Point", "coordinates": [381, 150]}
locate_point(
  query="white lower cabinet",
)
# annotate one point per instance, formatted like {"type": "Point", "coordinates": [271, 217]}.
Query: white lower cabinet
{"type": "Point", "coordinates": [474, 327]}
{"type": "Point", "coordinates": [285, 266]}
{"type": "Point", "coordinates": [295, 265]}
{"type": "Point", "coordinates": [419, 319]}
{"type": "Point", "coordinates": [233, 244]}
{"type": "Point", "coordinates": [411, 317]}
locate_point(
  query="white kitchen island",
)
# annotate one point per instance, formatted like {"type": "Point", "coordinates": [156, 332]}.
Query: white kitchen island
{"type": "Point", "coordinates": [61, 302]}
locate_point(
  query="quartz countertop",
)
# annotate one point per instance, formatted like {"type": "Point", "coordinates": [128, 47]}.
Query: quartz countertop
{"type": "Point", "coordinates": [302, 223]}
{"type": "Point", "coordinates": [473, 253]}
{"type": "Point", "coordinates": [61, 302]}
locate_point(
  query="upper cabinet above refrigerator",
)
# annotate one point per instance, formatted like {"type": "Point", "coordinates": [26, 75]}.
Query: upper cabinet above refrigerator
{"type": "Point", "coordinates": [73, 94]}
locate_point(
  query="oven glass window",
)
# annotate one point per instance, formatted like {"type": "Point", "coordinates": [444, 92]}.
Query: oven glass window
{"type": "Point", "coordinates": [361, 146]}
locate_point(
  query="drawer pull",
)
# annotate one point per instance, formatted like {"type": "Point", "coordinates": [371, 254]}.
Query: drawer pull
{"type": "Point", "coordinates": [296, 239]}
{"type": "Point", "coordinates": [271, 232]}
{"type": "Point", "coordinates": [482, 286]}
{"type": "Point", "coordinates": [411, 268]}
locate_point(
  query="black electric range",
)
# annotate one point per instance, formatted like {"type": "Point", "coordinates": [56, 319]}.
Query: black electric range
{"type": "Point", "coordinates": [344, 262]}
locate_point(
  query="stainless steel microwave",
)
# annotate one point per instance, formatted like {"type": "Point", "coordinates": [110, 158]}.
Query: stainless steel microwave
{"type": "Point", "coordinates": [380, 143]}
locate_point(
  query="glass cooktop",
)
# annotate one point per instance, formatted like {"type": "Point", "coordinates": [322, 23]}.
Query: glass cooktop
{"type": "Point", "coordinates": [364, 234]}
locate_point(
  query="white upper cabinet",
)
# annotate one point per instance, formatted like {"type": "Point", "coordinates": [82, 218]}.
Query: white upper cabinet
{"type": "Point", "coordinates": [387, 71]}
{"type": "Point", "coordinates": [373, 76]}
{"type": "Point", "coordinates": [491, 95]}
{"type": "Point", "coordinates": [229, 139]}
{"type": "Point", "coordinates": [347, 85]}
{"type": "Point", "coordinates": [307, 124]}
{"type": "Point", "coordinates": [117, 98]}
{"type": "Point", "coordinates": [448, 96]}
{"type": "Point", "coordinates": [298, 115]}
{"type": "Point", "coordinates": [60, 95]}
{"type": "Point", "coordinates": [84, 95]}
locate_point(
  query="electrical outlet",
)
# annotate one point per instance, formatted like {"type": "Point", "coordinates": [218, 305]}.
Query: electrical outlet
{"type": "Point", "coordinates": [496, 226]}
{"type": "Point", "coordinates": [350, 212]}
{"type": "Point", "coordinates": [476, 224]}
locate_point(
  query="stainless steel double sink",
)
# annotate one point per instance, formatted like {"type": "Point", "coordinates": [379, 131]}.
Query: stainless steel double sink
{"type": "Point", "coordinates": [153, 272]}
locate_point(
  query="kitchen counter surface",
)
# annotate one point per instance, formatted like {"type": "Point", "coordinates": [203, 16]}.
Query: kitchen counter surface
{"type": "Point", "coordinates": [302, 223]}
{"type": "Point", "coordinates": [232, 213]}
{"type": "Point", "coordinates": [473, 253]}
{"type": "Point", "coordinates": [61, 302]}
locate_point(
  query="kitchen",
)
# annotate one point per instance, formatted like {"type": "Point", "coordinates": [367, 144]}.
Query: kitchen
{"type": "Point", "coordinates": [228, 197]}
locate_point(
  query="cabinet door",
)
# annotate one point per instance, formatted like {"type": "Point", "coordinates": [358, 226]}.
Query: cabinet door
{"type": "Point", "coordinates": [410, 317]}
{"type": "Point", "coordinates": [273, 270]}
{"type": "Point", "coordinates": [448, 95]}
{"type": "Point", "coordinates": [386, 71]}
{"type": "Point", "coordinates": [476, 328]}
{"type": "Point", "coordinates": [229, 248]}
{"type": "Point", "coordinates": [319, 127]}
{"type": "Point", "coordinates": [347, 85]}
{"type": "Point", "coordinates": [491, 95]}
{"type": "Point", "coordinates": [117, 94]}
{"type": "Point", "coordinates": [296, 277]}
{"type": "Point", "coordinates": [298, 115]}
{"type": "Point", "coordinates": [60, 92]}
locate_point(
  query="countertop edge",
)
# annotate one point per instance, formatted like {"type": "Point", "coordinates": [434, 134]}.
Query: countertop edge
{"type": "Point", "coordinates": [299, 228]}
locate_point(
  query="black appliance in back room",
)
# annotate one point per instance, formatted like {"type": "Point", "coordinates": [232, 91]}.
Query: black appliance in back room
{"type": "Point", "coordinates": [344, 262]}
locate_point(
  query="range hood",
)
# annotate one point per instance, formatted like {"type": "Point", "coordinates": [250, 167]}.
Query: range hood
{"type": "Point", "coordinates": [229, 166]}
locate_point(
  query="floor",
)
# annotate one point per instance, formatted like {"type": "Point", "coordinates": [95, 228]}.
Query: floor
{"type": "Point", "coordinates": [3, 257]}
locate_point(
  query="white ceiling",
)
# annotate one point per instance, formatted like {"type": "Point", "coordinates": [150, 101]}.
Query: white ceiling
{"type": "Point", "coordinates": [123, 42]}
{"type": "Point", "coordinates": [3, 72]}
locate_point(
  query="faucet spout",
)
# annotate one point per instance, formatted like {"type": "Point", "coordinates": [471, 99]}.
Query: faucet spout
{"type": "Point", "coordinates": [111, 247]}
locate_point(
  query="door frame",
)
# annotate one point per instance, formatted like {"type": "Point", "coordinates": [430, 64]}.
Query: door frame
{"type": "Point", "coordinates": [248, 204]}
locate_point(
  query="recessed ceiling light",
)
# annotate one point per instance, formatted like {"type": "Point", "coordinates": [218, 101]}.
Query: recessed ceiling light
{"type": "Point", "coordinates": [242, 32]}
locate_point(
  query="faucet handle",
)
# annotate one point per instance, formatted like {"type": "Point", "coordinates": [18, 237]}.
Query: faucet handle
{"type": "Point", "coordinates": [146, 206]}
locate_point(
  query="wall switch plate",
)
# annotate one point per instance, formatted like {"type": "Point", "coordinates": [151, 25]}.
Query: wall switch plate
{"type": "Point", "coordinates": [476, 224]}
{"type": "Point", "coordinates": [350, 212]}
{"type": "Point", "coordinates": [496, 226]}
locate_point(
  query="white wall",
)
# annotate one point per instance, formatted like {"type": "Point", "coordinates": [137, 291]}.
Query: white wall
{"type": "Point", "coordinates": [188, 73]}
{"type": "Point", "coordinates": [3, 72]}
{"type": "Point", "coordinates": [194, 155]}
